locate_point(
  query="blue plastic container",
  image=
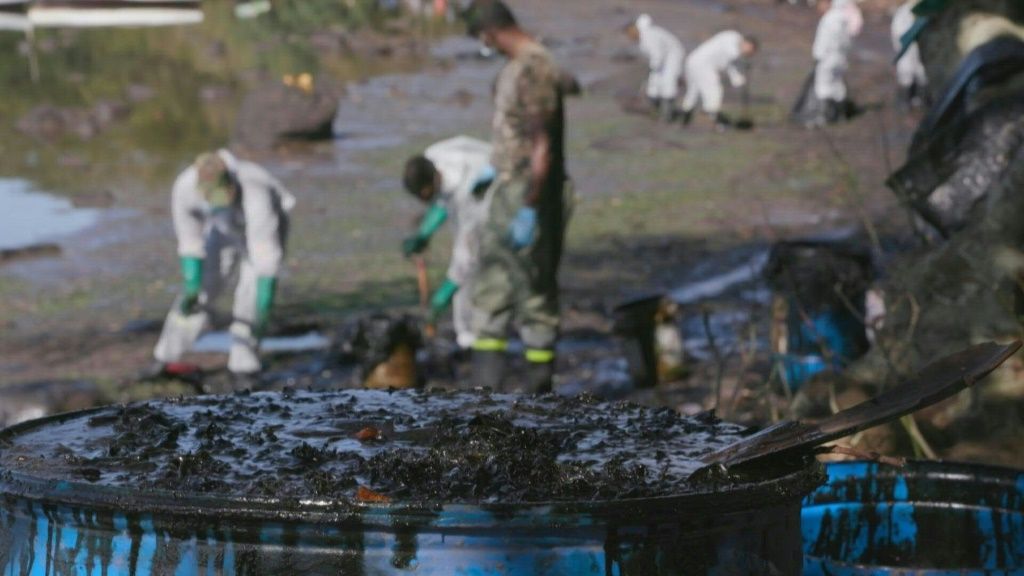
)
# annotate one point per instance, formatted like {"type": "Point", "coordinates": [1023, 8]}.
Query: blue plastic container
{"type": "Point", "coordinates": [838, 331]}
{"type": "Point", "coordinates": [50, 527]}
{"type": "Point", "coordinates": [929, 518]}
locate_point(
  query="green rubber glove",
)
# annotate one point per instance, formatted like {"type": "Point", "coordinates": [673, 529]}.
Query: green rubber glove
{"type": "Point", "coordinates": [192, 276]}
{"type": "Point", "coordinates": [414, 245]}
{"type": "Point", "coordinates": [266, 290]}
{"type": "Point", "coordinates": [431, 223]}
{"type": "Point", "coordinates": [442, 298]}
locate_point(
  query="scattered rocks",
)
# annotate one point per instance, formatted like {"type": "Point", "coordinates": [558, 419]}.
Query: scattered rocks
{"type": "Point", "coordinates": [48, 122]}
{"type": "Point", "coordinates": [276, 112]}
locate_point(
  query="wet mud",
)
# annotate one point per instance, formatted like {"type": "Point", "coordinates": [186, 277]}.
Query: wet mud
{"type": "Point", "coordinates": [467, 447]}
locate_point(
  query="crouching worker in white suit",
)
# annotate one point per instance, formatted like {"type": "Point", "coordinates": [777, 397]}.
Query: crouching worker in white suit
{"type": "Point", "coordinates": [704, 70]}
{"type": "Point", "coordinates": [452, 177]}
{"type": "Point", "coordinates": [665, 55]}
{"type": "Point", "coordinates": [840, 24]}
{"type": "Point", "coordinates": [231, 220]}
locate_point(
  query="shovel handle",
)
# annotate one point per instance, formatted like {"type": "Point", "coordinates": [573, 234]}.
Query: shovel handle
{"type": "Point", "coordinates": [422, 280]}
{"type": "Point", "coordinates": [423, 284]}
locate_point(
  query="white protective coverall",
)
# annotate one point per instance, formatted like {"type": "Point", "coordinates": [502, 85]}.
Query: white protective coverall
{"type": "Point", "coordinates": [665, 54]}
{"type": "Point", "coordinates": [909, 69]}
{"type": "Point", "coordinates": [832, 45]}
{"type": "Point", "coordinates": [705, 66]}
{"type": "Point", "coordinates": [247, 240]}
{"type": "Point", "coordinates": [462, 162]}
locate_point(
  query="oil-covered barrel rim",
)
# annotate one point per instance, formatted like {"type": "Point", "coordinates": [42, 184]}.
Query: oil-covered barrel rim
{"type": "Point", "coordinates": [962, 489]}
{"type": "Point", "coordinates": [788, 484]}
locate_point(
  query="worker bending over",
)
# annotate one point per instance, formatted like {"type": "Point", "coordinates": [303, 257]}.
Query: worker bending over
{"type": "Point", "coordinates": [453, 177]}
{"type": "Point", "coordinates": [665, 55]}
{"type": "Point", "coordinates": [231, 220]}
{"type": "Point", "coordinates": [704, 69]}
{"type": "Point", "coordinates": [840, 23]}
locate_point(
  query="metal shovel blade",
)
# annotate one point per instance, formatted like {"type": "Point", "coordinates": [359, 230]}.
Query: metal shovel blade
{"type": "Point", "coordinates": [934, 383]}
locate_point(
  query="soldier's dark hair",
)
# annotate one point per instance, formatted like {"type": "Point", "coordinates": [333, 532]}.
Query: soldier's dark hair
{"type": "Point", "coordinates": [419, 173]}
{"type": "Point", "coordinates": [482, 15]}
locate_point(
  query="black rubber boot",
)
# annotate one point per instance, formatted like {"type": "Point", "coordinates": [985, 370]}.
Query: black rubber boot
{"type": "Point", "coordinates": [667, 111]}
{"type": "Point", "coordinates": [906, 98]}
{"type": "Point", "coordinates": [722, 122]}
{"type": "Point", "coordinates": [488, 369]}
{"type": "Point", "coordinates": [540, 377]}
{"type": "Point", "coordinates": [833, 111]}
{"type": "Point", "coordinates": [655, 105]}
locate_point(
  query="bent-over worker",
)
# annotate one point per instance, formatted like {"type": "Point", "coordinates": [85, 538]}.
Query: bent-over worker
{"type": "Point", "coordinates": [453, 177]}
{"type": "Point", "coordinates": [231, 219]}
{"type": "Point", "coordinates": [704, 69]}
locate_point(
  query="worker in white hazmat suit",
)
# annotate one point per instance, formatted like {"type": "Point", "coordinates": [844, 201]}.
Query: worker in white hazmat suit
{"type": "Point", "coordinates": [231, 219]}
{"type": "Point", "coordinates": [840, 23]}
{"type": "Point", "coordinates": [665, 55]}
{"type": "Point", "coordinates": [704, 68]}
{"type": "Point", "coordinates": [910, 74]}
{"type": "Point", "coordinates": [452, 176]}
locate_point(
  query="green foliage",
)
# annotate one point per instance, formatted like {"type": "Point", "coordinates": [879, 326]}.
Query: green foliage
{"type": "Point", "coordinates": [83, 68]}
{"type": "Point", "coordinates": [303, 15]}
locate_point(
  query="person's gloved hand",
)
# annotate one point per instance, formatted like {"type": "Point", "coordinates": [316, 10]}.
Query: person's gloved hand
{"type": "Point", "coordinates": [414, 245]}
{"type": "Point", "coordinates": [192, 276]}
{"type": "Point", "coordinates": [484, 179]}
{"type": "Point", "coordinates": [431, 223]}
{"type": "Point", "coordinates": [266, 290]}
{"type": "Point", "coordinates": [523, 228]}
{"type": "Point", "coordinates": [442, 298]}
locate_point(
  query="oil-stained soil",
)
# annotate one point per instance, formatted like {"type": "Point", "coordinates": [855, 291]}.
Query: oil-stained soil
{"type": "Point", "coordinates": [369, 446]}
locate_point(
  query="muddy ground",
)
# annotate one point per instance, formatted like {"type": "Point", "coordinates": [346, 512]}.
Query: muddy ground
{"type": "Point", "coordinates": [661, 207]}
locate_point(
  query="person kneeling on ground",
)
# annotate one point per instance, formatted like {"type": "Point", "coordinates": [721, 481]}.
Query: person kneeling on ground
{"type": "Point", "coordinates": [665, 55]}
{"type": "Point", "coordinates": [231, 219]}
{"type": "Point", "coordinates": [704, 68]}
{"type": "Point", "coordinates": [453, 177]}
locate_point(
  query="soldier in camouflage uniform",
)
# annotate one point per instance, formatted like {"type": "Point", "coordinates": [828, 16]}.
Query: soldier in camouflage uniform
{"type": "Point", "coordinates": [521, 244]}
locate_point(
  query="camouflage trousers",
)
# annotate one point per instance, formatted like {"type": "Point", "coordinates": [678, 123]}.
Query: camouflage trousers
{"type": "Point", "coordinates": [520, 287]}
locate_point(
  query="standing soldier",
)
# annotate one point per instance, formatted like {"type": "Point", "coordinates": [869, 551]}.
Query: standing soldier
{"type": "Point", "coordinates": [705, 67]}
{"type": "Point", "coordinates": [453, 177]}
{"type": "Point", "coordinates": [521, 244]}
{"type": "Point", "coordinates": [231, 218]}
{"type": "Point", "coordinates": [665, 55]}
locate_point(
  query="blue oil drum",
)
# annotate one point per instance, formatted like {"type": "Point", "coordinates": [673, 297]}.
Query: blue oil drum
{"type": "Point", "coordinates": [928, 518]}
{"type": "Point", "coordinates": [57, 527]}
{"type": "Point", "coordinates": [838, 331]}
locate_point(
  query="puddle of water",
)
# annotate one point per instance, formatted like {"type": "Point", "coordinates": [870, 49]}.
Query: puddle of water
{"type": "Point", "coordinates": [30, 217]}
{"type": "Point", "coordinates": [220, 342]}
